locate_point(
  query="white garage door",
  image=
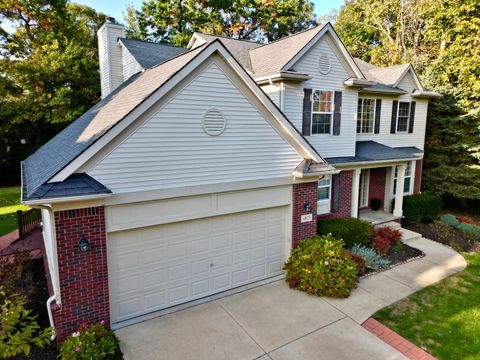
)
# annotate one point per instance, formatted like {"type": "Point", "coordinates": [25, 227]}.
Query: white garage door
{"type": "Point", "coordinates": [161, 266]}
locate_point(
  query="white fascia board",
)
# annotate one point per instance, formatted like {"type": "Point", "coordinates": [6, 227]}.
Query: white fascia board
{"type": "Point", "coordinates": [338, 42]}
{"type": "Point", "coordinates": [415, 77]}
{"type": "Point", "coordinates": [48, 201]}
{"type": "Point", "coordinates": [302, 175]}
{"type": "Point", "coordinates": [282, 76]}
{"type": "Point", "coordinates": [296, 140]}
{"type": "Point", "coordinates": [374, 164]}
{"type": "Point", "coordinates": [193, 39]}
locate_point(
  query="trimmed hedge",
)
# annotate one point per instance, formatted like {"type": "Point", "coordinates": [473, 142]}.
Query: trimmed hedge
{"type": "Point", "coordinates": [421, 208]}
{"type": "Point", "coordinates": [322, 266]}
{"type": "Point", "coordinates": [351, 230]}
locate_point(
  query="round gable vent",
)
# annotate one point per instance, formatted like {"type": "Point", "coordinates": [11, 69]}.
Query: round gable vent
{"type": "Point", "coordinates": [324, 64]}
{"type": "Point", "coordinates": [214, 122]}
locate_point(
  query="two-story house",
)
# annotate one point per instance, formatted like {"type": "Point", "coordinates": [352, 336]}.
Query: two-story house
{"type": "Point", "coordinates": [200, 168]}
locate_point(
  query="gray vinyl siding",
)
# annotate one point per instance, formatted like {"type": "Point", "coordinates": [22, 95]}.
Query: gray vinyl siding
{"type": "Point", "coordinates": [417, 138]}
{"type": "Point", "coordinates": [273, 92]}
{"type": "Point", "coordinates": [129, 64]}
{"type": "Point", "coordinates": [171, 149]}
{"type": "Point", "coordinates": [326, 144]}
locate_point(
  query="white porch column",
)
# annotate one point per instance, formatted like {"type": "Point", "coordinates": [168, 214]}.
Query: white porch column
{"type": "Point", "coordinates": [397, 210]}
{"type": "Point", "coordinates": [355, 192]}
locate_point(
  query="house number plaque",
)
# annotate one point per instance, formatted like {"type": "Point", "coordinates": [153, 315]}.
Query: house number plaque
{"type": "Point", "coordinates": [306, 218]}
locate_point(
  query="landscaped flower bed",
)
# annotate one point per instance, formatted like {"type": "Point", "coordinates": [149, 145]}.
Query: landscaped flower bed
{"type": "Point", "coordinates": [345, 249]}
{"type": "Point", "coordinates": [23, 281]}
{"type": "Point", "coordinates": [458, 232]}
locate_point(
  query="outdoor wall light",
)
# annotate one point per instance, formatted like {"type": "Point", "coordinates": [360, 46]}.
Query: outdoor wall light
{"type": "Point", "coordinates": [307, 206]}
{"type": "Point", "coordinates": [84, 244]}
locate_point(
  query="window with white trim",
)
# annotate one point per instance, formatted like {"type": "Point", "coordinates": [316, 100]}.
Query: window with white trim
{"type": "Point", "coordinates": [324, 193]}
{"type": "Point", "coordinates": [407, 185]}
{"type": "Point", "coordinates": [403, 116]}
{"type": "Point", "coordinates": [365, 116]}
{"type": "Point", "coordinates": [322, 112]}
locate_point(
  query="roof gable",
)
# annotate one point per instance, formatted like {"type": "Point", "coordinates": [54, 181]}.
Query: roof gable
{"type": "Point", "coordinates": [337, 42]}
{"type": "Point", "coordinates": [168, 147]}
{"type": "Point", "coordinates": [71, 148]}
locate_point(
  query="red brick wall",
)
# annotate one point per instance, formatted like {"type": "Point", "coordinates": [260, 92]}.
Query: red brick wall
{"type": "Point", "coordinates": [83, 275]}
{"type": "Point", "coordinates": [417, 185]}
{"type": "Point", "coordinates": [344, 194]}
{"type": "Point", "coordinates": [377, 185]}
{"type": "Point", "coordinates": [304, 193]}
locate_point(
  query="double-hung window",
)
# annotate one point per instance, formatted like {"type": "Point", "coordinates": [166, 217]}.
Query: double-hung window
{"type": "Point", "coordinates": [323, 195]}
{"type": "Point", "coordinates": [407, 185]}
{"type": "Point", "coordinates": [365, 116]}
{"type": "Point", "coordinates": [403, 116]}
{"type": "Point", "coordinates": [322, 112]}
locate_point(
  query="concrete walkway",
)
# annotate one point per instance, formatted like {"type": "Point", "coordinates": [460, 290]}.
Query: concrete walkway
{"type": "Point", "coordinates": [275, 322]}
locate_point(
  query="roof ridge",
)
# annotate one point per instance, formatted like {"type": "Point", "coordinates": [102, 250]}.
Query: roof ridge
{"type": "Point", "coordinates": [231, 38]}
{"type": "Point", "coordinates": [294, 34]}
{"type": "Point", "coordinates": [260, 43]}
{"type": "Point", "coordinates": [389, 67]}
{"type": "Point", "coordinates": [151, 42]}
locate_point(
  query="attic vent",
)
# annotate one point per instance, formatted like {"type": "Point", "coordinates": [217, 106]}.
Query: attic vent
{"type": "Point", "coordinates": [324, 64]}
{"type": "Point", "coordinates": [214, 122]}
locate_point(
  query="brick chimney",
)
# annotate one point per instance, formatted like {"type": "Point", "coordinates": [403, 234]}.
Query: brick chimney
{"type": "Point", "coordinates": [110, 55]}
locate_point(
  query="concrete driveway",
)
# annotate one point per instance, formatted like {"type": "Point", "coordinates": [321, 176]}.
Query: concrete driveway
{"type": "Point", "coordinates": [275, 322]}
{"type": "Point", "coordinates": [268, 322]}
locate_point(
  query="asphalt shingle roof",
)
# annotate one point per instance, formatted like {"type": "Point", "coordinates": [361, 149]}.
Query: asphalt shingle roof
{"type": "Point", "coordinates": [149, 54]}
{"type": "Point", "coordinates": [240, 49]}
{"type": "Point", "coordinates": [372, 151]}
{"type": "Point", "coordinates": [52, 157]}
{"type": "Point", "coordinates": [75, 185]}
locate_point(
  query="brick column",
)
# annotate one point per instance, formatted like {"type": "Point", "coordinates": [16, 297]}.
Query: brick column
{"type": "Point", "coordinates": [83, 275]}
{"type": "Point", "coordinates": [304, 193]}
{"type": "Point", "coordinates": [417, 185]}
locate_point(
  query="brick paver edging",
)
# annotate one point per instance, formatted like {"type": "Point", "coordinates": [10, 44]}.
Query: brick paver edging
{"type": "Point", "coordinates": [396, 341]}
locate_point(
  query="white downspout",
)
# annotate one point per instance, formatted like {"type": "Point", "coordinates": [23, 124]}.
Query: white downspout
{"type": "Point", "coordinates": [282, 96]}
{"type": "Point", "coordinates": [54, 296]}
{"type": "Point", "coordinates": [50, 315]}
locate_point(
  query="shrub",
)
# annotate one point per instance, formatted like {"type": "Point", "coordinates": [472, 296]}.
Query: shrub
{"type": "Point", "coordinates": [449, 219]}
{"type": "Point", "coordinates": [467, 220]}
{"type": "Point", "coordinates": [18, 328]}
{"type": "Point", "coordinates": [360, 263]}
{"type": "Point", "coordinates": [322, 266]}
{"type": "Point", "coordinates": [421, 208]}
{"type": "Point", "coordinates": [352, 231]}
{"type": "Point", "coordinates": [470, 231]}
{"type": "Point", "coordinates": [372, 259]}
{"type": "Point", "coordinates": [90, 342]}
{"type": "Point", "coordinates": [384, 237]}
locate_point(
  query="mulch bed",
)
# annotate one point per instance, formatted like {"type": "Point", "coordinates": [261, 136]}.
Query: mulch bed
{"type": "Point", "coordinates": [453, 238]}
{"type": "Point", "coordinates": [398, 255]}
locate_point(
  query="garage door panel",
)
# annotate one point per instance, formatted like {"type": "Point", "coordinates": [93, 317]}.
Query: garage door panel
{"type": "Point", "coordinates": [154, 268]}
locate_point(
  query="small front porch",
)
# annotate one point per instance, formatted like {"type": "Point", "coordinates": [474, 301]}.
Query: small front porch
{"type": "Point", "coordinates": [377, 217]}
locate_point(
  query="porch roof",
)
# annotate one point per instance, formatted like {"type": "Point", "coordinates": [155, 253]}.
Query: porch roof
{"type": "Point", "coordinates": [371, 151]}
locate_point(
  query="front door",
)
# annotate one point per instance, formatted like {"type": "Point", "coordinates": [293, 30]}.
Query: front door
{"type": "Point", "coordinates": [364, 185]}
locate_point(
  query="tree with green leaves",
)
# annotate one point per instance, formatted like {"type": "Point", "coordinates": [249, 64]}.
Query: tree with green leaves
{"type": "Point", "coordinates": [441, 39]}
{"type": "Point", "coordinates": [173, 21]}
{"type": "Point", "coordinates": [49, 67]}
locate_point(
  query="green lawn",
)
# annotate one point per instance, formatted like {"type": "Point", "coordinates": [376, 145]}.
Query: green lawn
{"type": "Point", "coordinates": [9, 204]}
{"type": "Point", "coordinates": [443, 318]}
